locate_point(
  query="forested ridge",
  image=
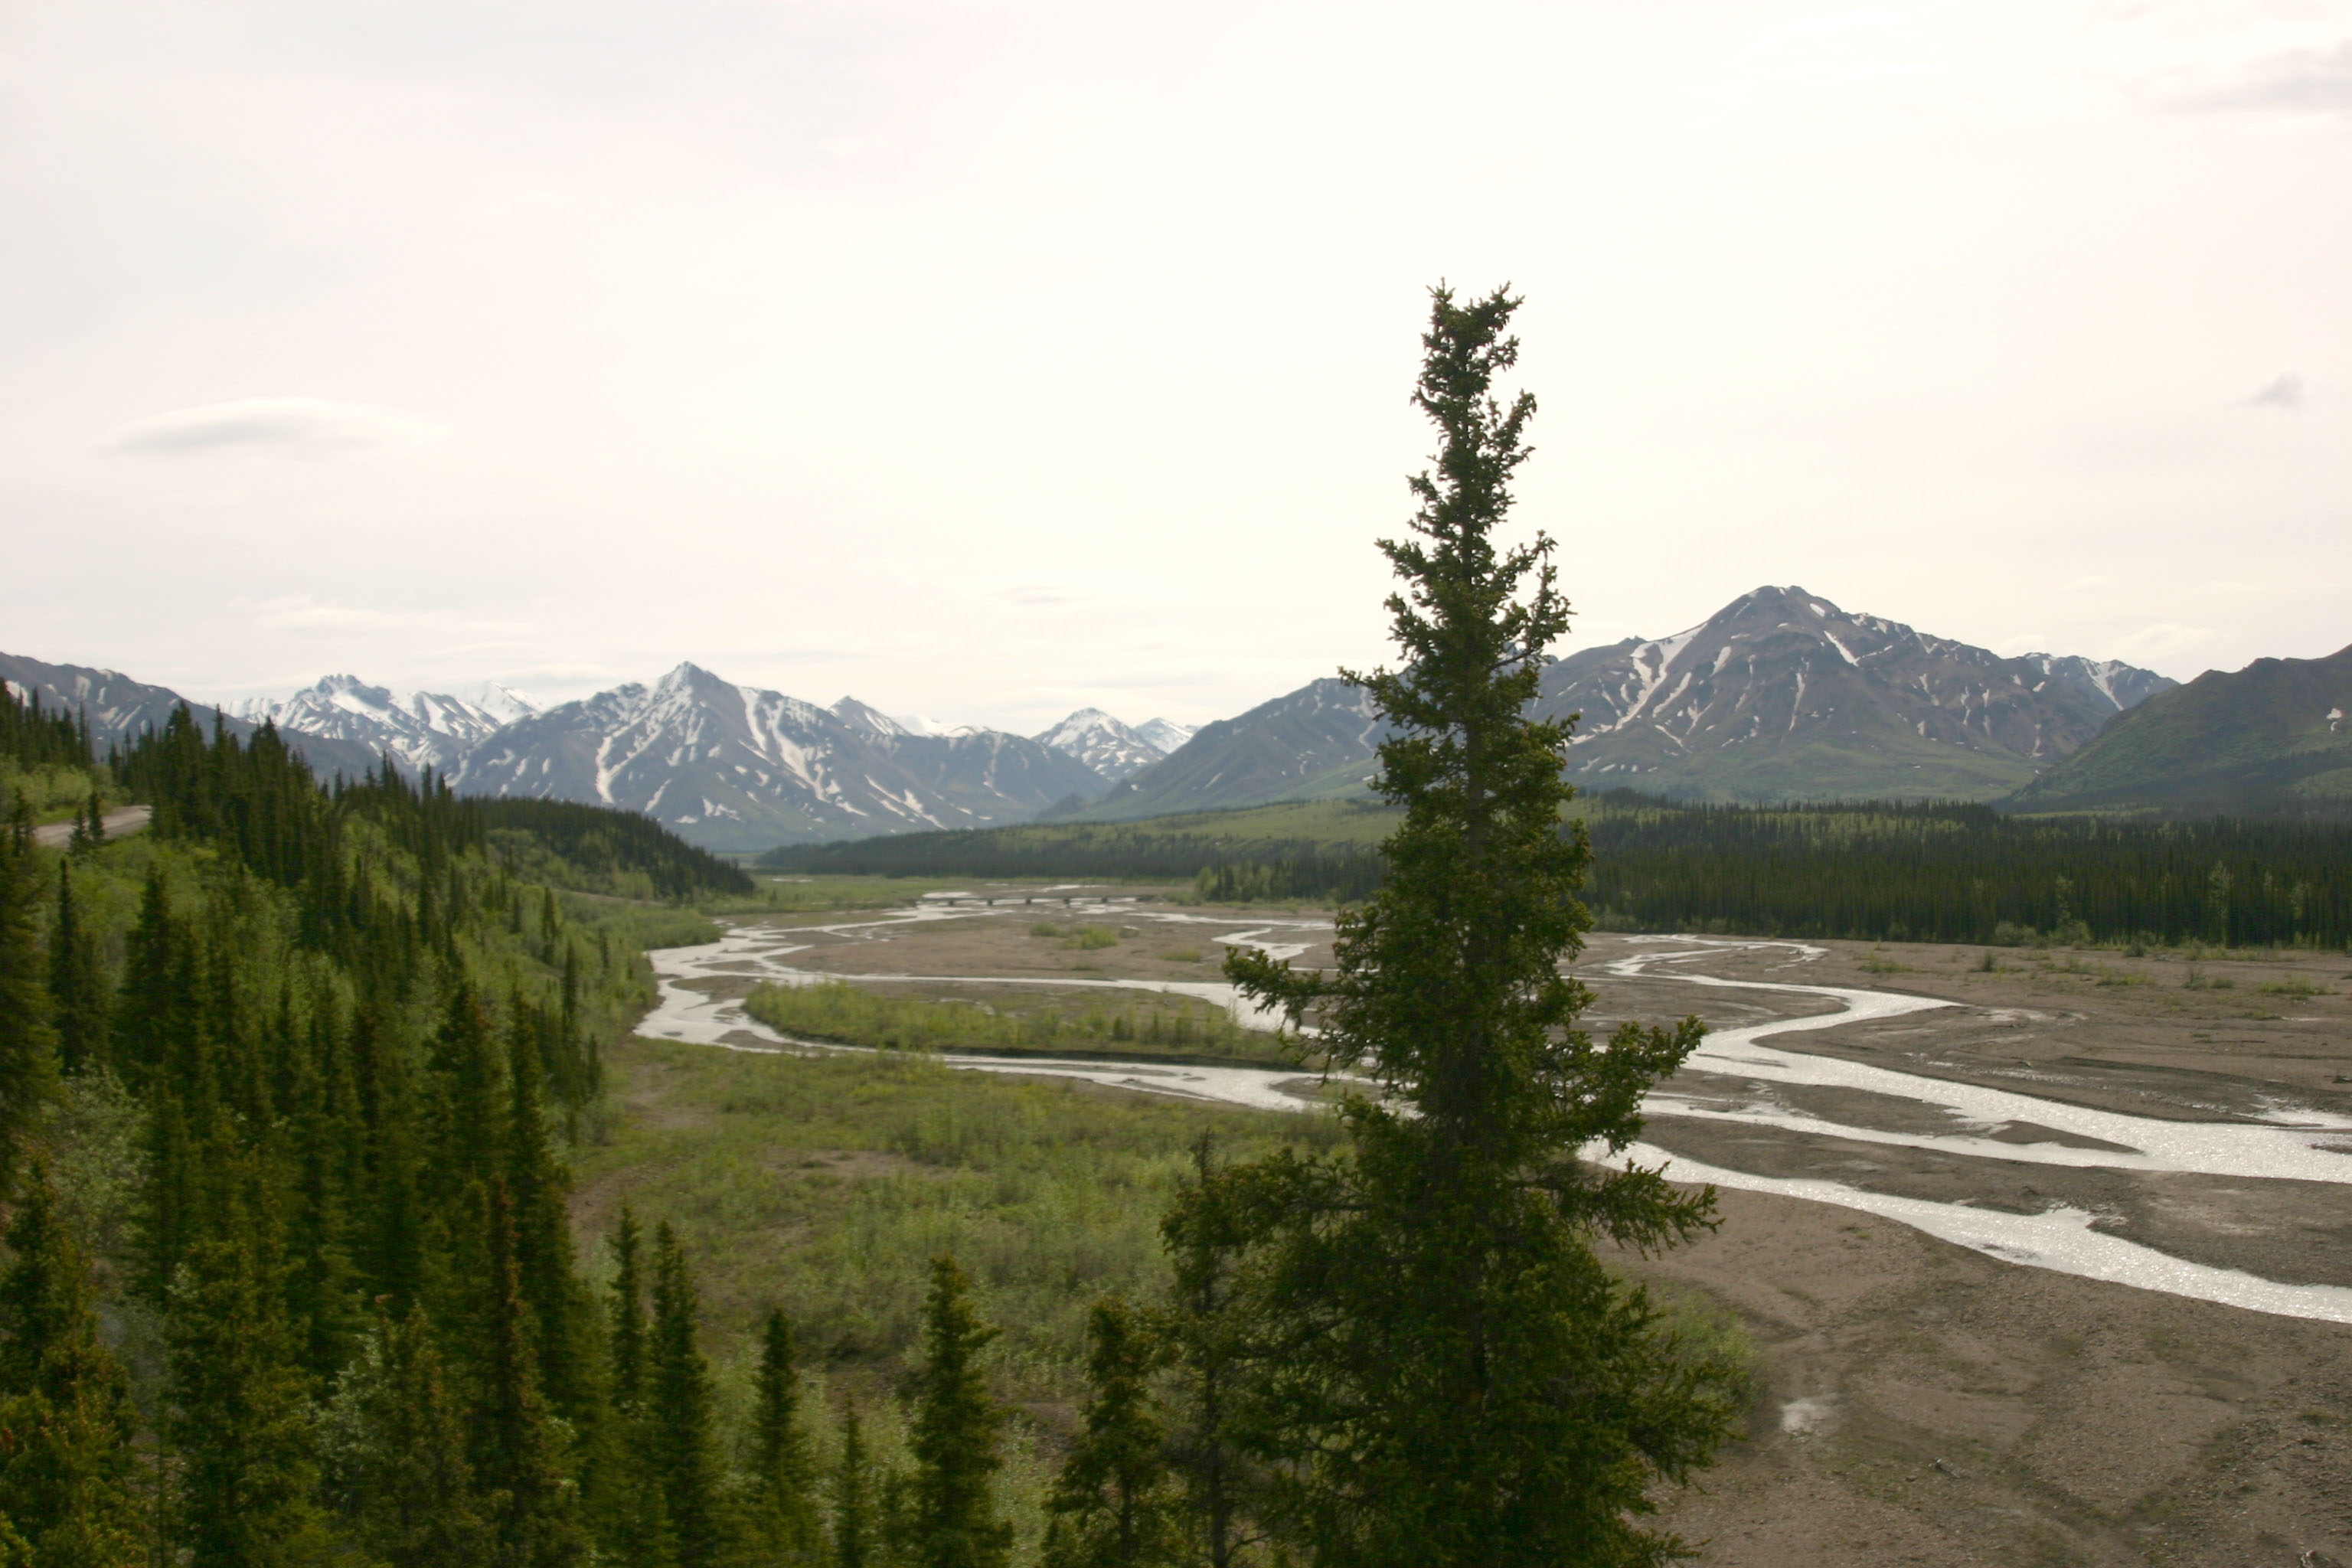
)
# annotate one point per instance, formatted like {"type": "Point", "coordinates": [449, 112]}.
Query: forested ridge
{"type": "Point", "coordinates": [1868, 870]}
{"type": "Point", "coordinates": [290, 1277]}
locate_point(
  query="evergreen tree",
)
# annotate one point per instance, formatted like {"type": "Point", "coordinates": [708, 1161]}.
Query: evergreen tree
{"type": "Point", "coordinates": [403, 1480]}
{"type": "Point", "coordinates": [66, 1473]}
{"type": "Point", "coordinates": [27, 1045]}
{"type": "Point", "coordinates": [625, 1497]}
{"type": "Point", "coordinates": [514, 1447]}
{"type": "Point", "coordinates": [853, 1501]}
{"type": "Point", "coordinates": [1206, 1327]}
{"type": "Point", "coordinates": [1451, 1375]}
{"type": "Point", "coordinates": [539, 1181]}
{"type": "Point", "coordinates": [783, 1485]}
{"type": "Point", "coordinates": [677, 1426]}
{"type": "Point", "coordinates": [238, 1422]}
{"type": "Point", "coordinates": [627, 1311]}
{"type": "Point", "coordinates": [1115, 1504]}
{"type": "Point", "coordinates": [79, 997]}
{"type": "Point", "coordinates": [951, 1521]}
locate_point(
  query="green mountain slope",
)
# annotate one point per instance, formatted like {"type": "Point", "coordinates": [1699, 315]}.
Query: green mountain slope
{"type": "Point", "coordinates": [2269, 739]}
{"type": "Point", "coordinates": [1314, 742]}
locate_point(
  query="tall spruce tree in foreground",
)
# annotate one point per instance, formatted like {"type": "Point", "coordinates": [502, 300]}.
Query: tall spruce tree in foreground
{"type": "Point", "coordinates": [1115, 1504]}
{"type": "Point", "coordinates": [953, 1521]}
{"type": "Point", "coordinates": [1450, 1374]}
{"type": "Point", "coordinates": [783, 1481]}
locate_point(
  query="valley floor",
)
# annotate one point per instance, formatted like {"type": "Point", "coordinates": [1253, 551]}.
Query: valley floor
{"type": "Point", "coordinates": [1920, 1400]}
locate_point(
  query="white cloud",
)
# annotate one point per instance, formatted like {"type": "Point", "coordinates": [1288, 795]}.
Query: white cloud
{"type": "Point", "coordinates": [2280, 392]}
{"type": "Point", "coordinates": [292, 426]}
{"type": "Point", "coordinates": [2305, 82]}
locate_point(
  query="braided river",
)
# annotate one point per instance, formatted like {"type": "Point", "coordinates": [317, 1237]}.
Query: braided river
{"type": "Point", "coordinates": [2004, 1128]}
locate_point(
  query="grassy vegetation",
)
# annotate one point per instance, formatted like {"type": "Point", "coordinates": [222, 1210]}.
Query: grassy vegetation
{"type": "Point", "coordinates": [54, 792]}
{"type": "Point", "coordinates": [840, 1012]}
{"type": "Point", "coordinates": [826, 1183]}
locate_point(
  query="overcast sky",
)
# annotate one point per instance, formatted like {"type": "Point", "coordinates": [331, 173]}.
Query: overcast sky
{"type": "Point", "coordinates": [988, 359]}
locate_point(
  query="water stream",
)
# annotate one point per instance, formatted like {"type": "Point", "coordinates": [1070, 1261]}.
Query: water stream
{"type": "Point", "coordinates": [2292, 1143]}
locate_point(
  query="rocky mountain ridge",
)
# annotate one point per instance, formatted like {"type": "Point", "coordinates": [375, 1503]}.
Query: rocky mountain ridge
{"type": "Point", "coordinates": [2269, 739]}
{"type": "Point", "coordinates": [423, 729]}
{"type": "Point", "coordinates": [1780, 695]}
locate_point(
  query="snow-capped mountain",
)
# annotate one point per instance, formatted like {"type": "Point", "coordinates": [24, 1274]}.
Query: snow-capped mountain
{"type": "Point", "coordinates": [1315, 741]}
{"type": "Point", "coordinates": [1103, 743]}
{"type": "Point", "coordinates": [1782, 694]}
{"type": "Point", "coordinates": [733, 767]}
{"type": "Point", "coordinates": [119, 708]}
{"type": "Point", "coordinates": [423, 729]}
{"type": "Point", "coordinates": [1165, 735]}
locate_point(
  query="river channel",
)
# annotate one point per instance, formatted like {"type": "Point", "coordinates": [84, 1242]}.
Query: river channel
{"type": "Point", "coordinates": [1977, 1122]}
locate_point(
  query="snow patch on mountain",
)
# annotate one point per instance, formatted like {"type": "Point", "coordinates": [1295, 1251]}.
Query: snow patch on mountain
{"type": "Point", "coordinates": [1103, 743]}
{"type": "Point", "coordinates": [422, 729]}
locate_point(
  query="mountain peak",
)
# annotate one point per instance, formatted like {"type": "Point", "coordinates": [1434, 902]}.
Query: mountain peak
{"type": "Point", "coordinates": [1102, 742]}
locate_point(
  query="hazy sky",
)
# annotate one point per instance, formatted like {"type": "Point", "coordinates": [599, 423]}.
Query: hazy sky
{"type": "Point", "coordinates": [988, 359]}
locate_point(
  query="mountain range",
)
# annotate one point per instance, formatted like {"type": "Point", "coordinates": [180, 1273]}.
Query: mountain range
{"type": "Point", "coordinates": [2269, 739]}
{"type": "Point", "coordinates": [1780, 695]}
{"type": "Point", "coordinates": [727, 766]}
{"type": "Point", "coordinates": [118, 709]}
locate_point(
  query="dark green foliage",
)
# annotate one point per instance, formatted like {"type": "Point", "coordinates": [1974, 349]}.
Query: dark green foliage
{"type": "Point", "coordinates": [783, 1520]}
{"type": "Point", "coordinates": [853, 1542]}
{"type": "Point", "coordinates": [1115, 1504]}
{"type": "Point", "coordinates": [1335, 878]}
{"type": "Point", "coordinates": [514, 1448]}
{"type": "Point", "coordinates": [402, 1479]}
{"type": "Point", "coordinates": [1445, 1372]}
{"type": "Point", "coordinates": [27, 1045]}
{"type": "Point", "coordinates": [67, 1477]}
{"type": "Point", "coordinates": [1207, 1332]}
{"type": "Point", "coordinates": [80, 997]}
{"type": "Point", "coordinates": [1168, 849]}
{"type": "Point", "coordinates": [676, 1422]}
{"type": "Point", "coordinates": [33, 738]}
{"type": "Point", "coordinates": [951, 1522]}
{"type": "Point", "coordinates": [570, 844]}
{"type": "Point", "coordinates": [1892, 872]}
{"type": "Point", "coordinates": [238, 1423]}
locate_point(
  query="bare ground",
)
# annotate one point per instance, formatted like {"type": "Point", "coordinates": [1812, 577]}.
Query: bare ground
{"type": "Point", "coordinates": [1920, 1401]}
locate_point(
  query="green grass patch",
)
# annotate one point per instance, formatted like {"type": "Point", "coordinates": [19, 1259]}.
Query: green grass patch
{"type": "Point", "coordinates": [842, 1013]}
{"type": "Point", "coordinates": [825, 1184]}
{"type": "Point", "coordinates": [2294, 988]}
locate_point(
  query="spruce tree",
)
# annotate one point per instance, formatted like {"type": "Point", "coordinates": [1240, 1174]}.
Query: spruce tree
{"type": "Point", "coordinates": [853, 1498]}
{"type": "Point", "coordinates": [1206, 1326]}
{"type": "Point", "coordinates": [626, 1311]}
{"type": "Point", "coordinates": [1115, 1502]}
{"type": "Point", "coordinates": [67, 1472]}
{"type": "Point", "coordinates": [539, 1183]}
{"type": "Point", "coordinates": [238, 1422]}
{"type": "Point", "coordinates": [27, 1045]}
{"type": "Point", "coordinates": [1451, 1376]}
{"type": "Point", "coordinates": [783, 1486]}
{"type": "Point", "coordinates": [79, 997]}
{"type": "Point", "coordinates": [676, 1424]}
{"type": "Point", "coordinates": [402, 1481]}
{"type": "Point", "coordinates": [953, 1521]}
{"type": "Point", "coordinates": [514, 1446]}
